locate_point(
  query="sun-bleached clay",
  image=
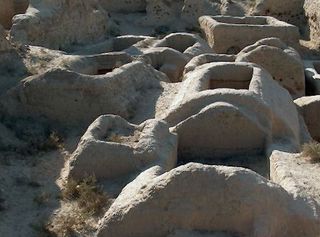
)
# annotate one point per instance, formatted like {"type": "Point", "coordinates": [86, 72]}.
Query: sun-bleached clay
{"type": "Point", "coordinates": [234, 200]}
{"type": "Point", "coordinates": [189, 44]}
{"type": "Point", "coordinates": [40, 25]}
{"type": "Point", "coordinates": [170, 54]}
{"type": "Point", "coordinates": [226, 34]}
{"type": "Point", "coordinates": [227, 100]}
{"type": "Point", "coordinates": [96, 64]}
{"type": "Point", "coordinates": [207, 58]}
{"type": "Point", "coordinates": [166, 60]}
{"type": "Point", "coordinates": [112, 147]}
{"type": "Point", "coordinates": [71, 98]}
{"type": "Point", "coordinates": [309, 107]}
{"type": "Point", "coordinates": [282, 62]}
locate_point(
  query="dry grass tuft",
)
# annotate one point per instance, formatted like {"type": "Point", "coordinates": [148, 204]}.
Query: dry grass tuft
{"type": "Point", "coordinates": [68, 224]}
{"type": "Point", "coordinates": [87, 201]}
{"type": "Point", "coordinates": [53, 142]}
{"type": "Point", "coordinates": [64, 224]}
{"type": "Point", "coordinates": [91, 199]}
{"type": "Point", "coordinates": [69, 192]}
{"type": "Point", "coordinates": [312, 151]}
{"type": "Point", "coordinates": [89, 195]}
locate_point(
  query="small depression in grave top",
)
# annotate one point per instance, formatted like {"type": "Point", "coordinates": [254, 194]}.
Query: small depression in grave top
{"type": "Point", "coordinates": [179, 42]}
{"type": "Point", "coordinates": [102, 69]}
{"type": "Point", "coordinates": [230, 76]}
{"type": "Point", "coordinates": [125, 136]}
{"type": "Point", "coordinates": [242, 21]}
{"type": "Point", "coordinates": [101, 64]}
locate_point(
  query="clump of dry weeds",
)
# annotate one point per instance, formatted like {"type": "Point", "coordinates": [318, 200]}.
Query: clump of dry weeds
{"type": "Point", "coordinates": [53, 142]}
{"type": "Point", "coordinates": [87, 200]}
{"type": "Point", "coordinates": [89, 195]}
{"type": "Point", "coordinates": [311, 150]}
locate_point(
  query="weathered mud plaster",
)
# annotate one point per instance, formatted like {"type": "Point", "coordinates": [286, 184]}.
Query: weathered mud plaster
{"type": "Point", "coordinates": [227, 34]}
